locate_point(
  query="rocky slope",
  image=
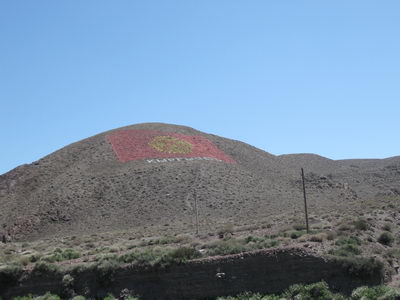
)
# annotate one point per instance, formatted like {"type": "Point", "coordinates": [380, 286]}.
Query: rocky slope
{"type": "Point", "coordinates": [105, 184]}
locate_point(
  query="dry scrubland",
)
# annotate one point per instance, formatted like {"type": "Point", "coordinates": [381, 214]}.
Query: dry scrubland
{"type": "Point", "coordinates": [81, 208]}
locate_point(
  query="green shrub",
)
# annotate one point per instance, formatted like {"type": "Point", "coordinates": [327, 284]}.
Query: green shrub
{"type": "Point", "coordinates": [386, 238]}
{"type": "Point", "coordinates": [48, 296]}
{"type": "Point", "coordinates": [377, 292]}
{"type": "Point", "coordinates": [10, 275]}
{"type": "Point", "coordinates": [34, 257]}
{"type": "Point", "coordinates": [361, 267]}
{"type": "Point", "coordinates": [227, 247]}
{"type": "Point", "coordinates": [105, 271]}
{"type": "Point", "coordinates": [348, 247]}
{"type": "Point", "coordinates": [178, 256]}
{"type": "Point", "coordinates": [346, 250]}
{"type": "Point", "coordinates": [299, 227]}
{"type": "Point", "coordinates": [227, 229]}
{"type": "Point", "coordinates": [249, 296]}
{"type": "Point", "coordinates": [78, 298]}
{"type": "Point", "coordinates": [184, 253]}
{"type": "Point", "coordinates": [110, 297]}
{"type": "Point", "coordinates": [296, 234]}
{"type": "Point", "coordinates": [144, 258]}
{"type": "Point", "coordinates": [253, 239]}
{"type": "Point", "coordinates": [344, 227]}
{"type": "Point", "coordinates": [44, 268]}
{"type": "Point", "coordinates": [348, 241]}
{"type": "Point", "coordinates": [395, 253]}
{"type": "Point", "coordinates": [62, 255]}
{"type": "Point", "coordinates": [27, 297]}
{"type": "Point", "coordinates": [315, 291]}
{"type": "Point", "coordinates": [387, 227]}
{"type": "Point", "coordinates": [67, 280]}
{"type": "Point", "coordinates": [361, 224]}
{"type": "Point", "coordinates": [265, 244]}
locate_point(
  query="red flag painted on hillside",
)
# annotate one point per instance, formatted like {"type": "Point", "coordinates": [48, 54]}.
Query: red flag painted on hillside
{"type": "Point", "coordinates": [134, 144]}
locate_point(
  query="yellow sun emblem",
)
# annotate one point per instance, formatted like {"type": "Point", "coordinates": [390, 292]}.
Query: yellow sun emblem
{"type": "Point", "coordinates": [171, 145]}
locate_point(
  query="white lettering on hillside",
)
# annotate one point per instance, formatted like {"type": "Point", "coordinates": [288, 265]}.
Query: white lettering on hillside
{"type": "Point", "coordinates": [161, 160]}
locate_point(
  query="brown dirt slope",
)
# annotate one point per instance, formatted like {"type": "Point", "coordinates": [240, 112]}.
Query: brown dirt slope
{"type": "Point", "coordinates": [83, 188]}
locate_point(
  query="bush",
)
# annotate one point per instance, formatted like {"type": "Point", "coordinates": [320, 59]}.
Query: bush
{"type": "Point", "coordinates": [110, 297]}
{"type": "Point", "coordinates": [331, 235]}
{"type": "Point", "coordinates": [62, 255]}
{"type": "Point", "coordinates": [48, 296]}
{"type": "Point", "coordinates": [387, 227]}
{"type": "Point", "coordinates": [348, 247]}
{"type": "Point", "coordinates": [227, 247]}
{"type": "Point", "coordinates": [184, 253]}
{"type": "Point", "coordinates": [296, 234]}
{"type": "Point", "coordinates": [394, 253]}
{"type": "Point", "coordinates": [386, 238]}
{"type": "Point", "coordinates": [10, 275]}
{"type": "Point", "coordinates": [319, 237]}
{"type": "Point", "coordinates": [28, 297]}
{"type": "Point", "coordinates": [106, 271]}
{"type": "Point", "coordinates": [361, 267]}
{"type": "Point", "coordinates": [67, 280]}
{"type": "Point", "coordinates": [346, 250]}
{"type": "Point", "coordinates": [178, 256]}
{"type": "Point", "coordinates": [227, 229]}
{"type": "Point", "coordinates": [344, 227]}
{"type": "Point", "coordinates": [361, 224]}
{"type": "Point", "coordinates": [44, 268]}
{"type": "Point", "coordinates": [143, 258]}
{"type": "Point", "coordinates": [315, 291]}
{"type": "Point", "coordinates": [253, 239]}
{"type": "Point", "coordinates": [348, 241]}
{"type": "Point", "coordinates": [377, 292]}
{"type": "Point", "coordinates": [299, 227]}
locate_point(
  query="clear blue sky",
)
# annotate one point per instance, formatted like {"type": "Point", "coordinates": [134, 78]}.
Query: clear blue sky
{"type": "Point", "coordinates": [285, 76]}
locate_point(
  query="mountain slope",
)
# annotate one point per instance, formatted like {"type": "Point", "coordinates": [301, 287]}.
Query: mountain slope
{"type": "Point", "coordinates": [99, 184]}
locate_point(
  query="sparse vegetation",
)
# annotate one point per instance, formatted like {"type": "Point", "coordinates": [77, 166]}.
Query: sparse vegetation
{"type": "Point", "coordinates": [10, 275]}
{"type": "Point", "coordinates": [321, 291]}
{"type": "Point", "coordinates": [387, 227]}
{"type": "Point", "coordinates": [379, 292]}
{"type": "Point", "coordinates": [225, 230]}
{"type": "Point", "coordinates": [349, 246]}
{"type": "Point", "coordinates": [361, 224]}
{"type": "Point", "coordinates": [45, 268]}
{"type": "Point", "coordinates": [314, 291]}
{"type": "Point", "coordinates": [61, 255]}
{"type": "Point", "coordinates": [361, 267]}
{"type": "Point", "coordinates": [346, 250]}
{"type": "Point", "coordinates": [233, 246]}
{"type": "Point", "coordinates": [386, 238]}
{"type": "Point", "coordinates": [299, 227]}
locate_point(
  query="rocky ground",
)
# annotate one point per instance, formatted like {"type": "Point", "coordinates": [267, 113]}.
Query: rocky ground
{"type": "Point", "coordinates": [81, 205]}
{"type": "Point", "coordinates": [84, 189]}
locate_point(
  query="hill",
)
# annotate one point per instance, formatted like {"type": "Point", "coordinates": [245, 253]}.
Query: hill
{"type": "Point", "coordinates": [146, 178]}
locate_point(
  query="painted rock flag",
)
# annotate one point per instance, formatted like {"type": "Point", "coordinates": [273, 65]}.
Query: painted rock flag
{"type": "Point", "coordinates": [134, 144]}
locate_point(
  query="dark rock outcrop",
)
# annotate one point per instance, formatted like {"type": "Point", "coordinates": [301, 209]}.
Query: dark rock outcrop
{"type": "Point", "coordinates": [269, 271]}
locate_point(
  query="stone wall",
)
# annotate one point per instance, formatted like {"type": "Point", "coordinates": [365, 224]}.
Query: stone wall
{"type": "Point", "coordinates": [269, 271]}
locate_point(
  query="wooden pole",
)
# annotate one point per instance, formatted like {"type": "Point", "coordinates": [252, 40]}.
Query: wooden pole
{"type": "Point", "coordinates": [305, 199]}
{"type": "Point", "coordinates": [197, 212]}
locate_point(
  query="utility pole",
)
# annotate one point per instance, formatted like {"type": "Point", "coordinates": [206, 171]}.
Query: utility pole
{"type": "Point", "coordinates": [305, 199]}
{"type": "Point", "coordinates": [197, 212]}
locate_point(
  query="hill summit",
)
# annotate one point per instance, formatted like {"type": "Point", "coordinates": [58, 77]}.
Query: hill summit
{"type": "Point", "coordinates": [149, 177]}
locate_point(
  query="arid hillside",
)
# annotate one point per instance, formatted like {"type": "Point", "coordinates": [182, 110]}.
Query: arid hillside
{"type": "Point", "coordinates": [148, 178]}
